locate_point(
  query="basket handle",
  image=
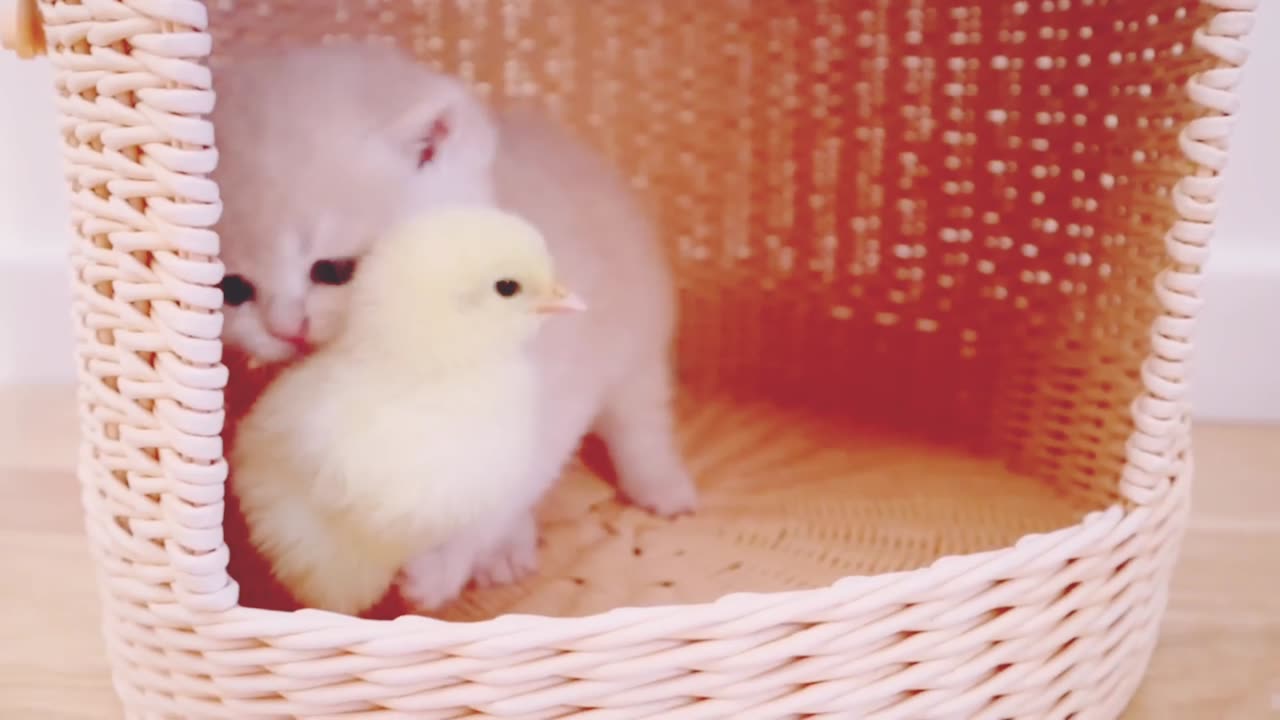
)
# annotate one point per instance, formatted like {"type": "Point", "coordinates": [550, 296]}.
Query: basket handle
{"type": "Point", "coordinates": [146, 263]}
{"type": "Point", "coordinates": [1158, 450]}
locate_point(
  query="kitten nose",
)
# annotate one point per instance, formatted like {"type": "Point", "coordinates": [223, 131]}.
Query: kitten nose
{"type": "Point", "coordinates": [295, 335]}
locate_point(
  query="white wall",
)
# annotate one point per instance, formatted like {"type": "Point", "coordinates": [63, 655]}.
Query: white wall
{"type": "Point", "coordinates": [35, 330]}
{"type": "Point", "coordinates": [1237, 366]}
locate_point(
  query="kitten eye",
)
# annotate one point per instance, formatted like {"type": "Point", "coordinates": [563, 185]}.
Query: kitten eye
{"type": "Point", "coordinates": [236, 290]}
{"type": "Point", "coordinates": [507, 288]}
{"type": "Point", "coordinates": [333, 272]}
{"type": "Point", "coordinates": [427, 154]}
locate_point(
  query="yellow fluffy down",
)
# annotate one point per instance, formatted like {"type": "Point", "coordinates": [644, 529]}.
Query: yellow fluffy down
{"type": "Point", "coordinates": [415, 427]}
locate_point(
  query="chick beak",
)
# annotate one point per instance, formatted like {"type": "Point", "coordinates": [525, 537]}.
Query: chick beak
{"type": "Point", "coordinates": [561, 300]}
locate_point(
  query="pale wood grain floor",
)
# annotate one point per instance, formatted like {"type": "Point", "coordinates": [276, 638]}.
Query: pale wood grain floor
{"type": "Point", "coordinates": [1219, 655]}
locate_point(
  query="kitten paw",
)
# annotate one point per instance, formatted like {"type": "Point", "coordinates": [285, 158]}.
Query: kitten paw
{"type": "Point", "coordinates": [665, 495]}
{"type": "Point", "coordinates": [511, 561]}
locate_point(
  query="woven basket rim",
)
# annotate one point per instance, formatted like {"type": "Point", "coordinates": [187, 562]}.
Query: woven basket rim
{"type": "Point", "coordinates": [738, 604]}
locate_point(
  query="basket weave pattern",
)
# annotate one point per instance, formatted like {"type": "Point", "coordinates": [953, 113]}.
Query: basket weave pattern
{"type": "Point", "coordinates": [1005, 211]}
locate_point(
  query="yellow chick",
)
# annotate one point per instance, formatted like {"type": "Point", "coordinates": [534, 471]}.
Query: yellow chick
{"type": "Point", "coordinates": [415, 426]}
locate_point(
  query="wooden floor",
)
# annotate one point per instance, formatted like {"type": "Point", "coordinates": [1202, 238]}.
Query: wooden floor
{"type": "Point", "coordinates": [1219, 655]}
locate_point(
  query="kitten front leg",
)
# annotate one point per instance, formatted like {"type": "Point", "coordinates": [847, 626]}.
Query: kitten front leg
{"type": "Point", "coordinates": [639, 430]}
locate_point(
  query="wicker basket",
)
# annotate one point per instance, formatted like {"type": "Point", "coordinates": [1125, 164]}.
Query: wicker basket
{"type": "Point", "coordinates": [940, 262]}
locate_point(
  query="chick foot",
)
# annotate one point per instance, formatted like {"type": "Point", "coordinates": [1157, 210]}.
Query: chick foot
{"type": "Point", "coordinates": [435, 577]}
{"type": "Point", "coordinates": [513, 559]}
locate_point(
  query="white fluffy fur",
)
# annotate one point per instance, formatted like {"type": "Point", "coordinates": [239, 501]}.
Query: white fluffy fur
{"type": "Point", "coordinates": [413, 428]}
{"type": "Point", "coordinates": [308, 154]}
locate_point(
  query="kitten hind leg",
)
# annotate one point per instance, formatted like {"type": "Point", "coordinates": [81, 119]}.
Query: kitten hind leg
{"type": "Point", "coordinates": [638, 427]}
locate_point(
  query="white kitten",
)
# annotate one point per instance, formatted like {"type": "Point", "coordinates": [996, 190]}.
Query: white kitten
{"type": "Point", "coordinates": [323, 148]}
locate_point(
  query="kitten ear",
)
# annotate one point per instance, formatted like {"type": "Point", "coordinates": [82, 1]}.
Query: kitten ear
{"type": "Point", "coordinates": [449, 129]}
{"type": "Point", "coordinates": [431, 141]}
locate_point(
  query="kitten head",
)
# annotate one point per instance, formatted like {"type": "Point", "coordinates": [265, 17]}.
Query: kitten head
{"type": "Point", "coordinates": [321, 151]}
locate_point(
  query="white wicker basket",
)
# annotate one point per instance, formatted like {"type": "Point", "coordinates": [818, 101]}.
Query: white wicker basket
{"type": "Point", "coordinates": [995, 212]}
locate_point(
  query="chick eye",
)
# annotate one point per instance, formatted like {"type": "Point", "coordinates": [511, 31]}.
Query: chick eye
{"type": "Point", "coordinates": [333, 272]}
{"type": "Point", "coordinates": [507, 288]}
{"type": "Point", "coordinates": [236, 290]}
